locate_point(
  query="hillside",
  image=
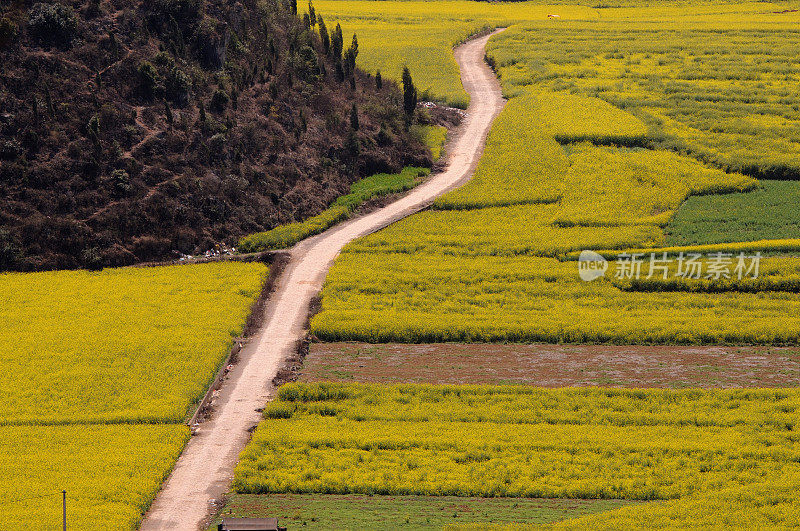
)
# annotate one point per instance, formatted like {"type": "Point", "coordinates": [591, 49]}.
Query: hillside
{"type": "Point", "coordinates": [133, 131]}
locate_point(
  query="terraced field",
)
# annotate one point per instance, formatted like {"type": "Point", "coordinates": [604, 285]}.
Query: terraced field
{"type": "Point", "coordinates": [576, 162]}
{"type": "Point", "coordinates": [649, 129]}
{"type": "Point", "coordinates": [630, 130]}
{"type": "Point", "coordinates": [480, 281]}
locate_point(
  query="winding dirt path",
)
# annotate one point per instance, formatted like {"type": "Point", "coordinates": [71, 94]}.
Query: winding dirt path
{"type": "Point", "coordinates": [205, 469]}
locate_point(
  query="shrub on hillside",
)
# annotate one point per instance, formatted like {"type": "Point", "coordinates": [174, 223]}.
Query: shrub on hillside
{"type": "Point", "coordinates": [53, 24]}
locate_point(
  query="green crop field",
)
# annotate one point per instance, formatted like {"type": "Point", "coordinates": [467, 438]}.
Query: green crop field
{"type": "Point", "coordinates": [765, 214]}
{"type": "Point", "coordinates": [387, 513]}
{"type": "Point", "coordinates": [528, 442]}
{"type": "Point", "coordinates": [102, 369]}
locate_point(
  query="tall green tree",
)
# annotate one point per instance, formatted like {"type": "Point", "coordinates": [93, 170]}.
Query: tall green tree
{"type": "Point", "coordinates": [409, 93]}
{"type": "Point", "coordinates": [337, 42]}
{"type": "Point", "coordinates": [324, 36]}
{"type": "Point", "coordinates": [312, 13]}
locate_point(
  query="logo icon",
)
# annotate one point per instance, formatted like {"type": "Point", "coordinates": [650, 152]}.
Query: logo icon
{"type": "Point", "coordinates": [591, 266]}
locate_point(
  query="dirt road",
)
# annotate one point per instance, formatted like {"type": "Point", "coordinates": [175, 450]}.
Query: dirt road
{"type": "Point", "coordinates": [205, 469]}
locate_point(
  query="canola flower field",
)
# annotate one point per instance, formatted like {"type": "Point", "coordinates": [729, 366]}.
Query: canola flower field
{"type": "Point", "coordinates": [128, 352]}
{"type": "Point", "coordinates": [421, 35]}
{"type": "Point", "coordinates": [692, 446]}
{"type": "Point", "coordinates": [457, 273]}
{"type": "Point", "coordinates": [723, 96]}
{"type": "Point", "coordinates": [101, 370]}
{"type": "Point", "coordinates": [638, 129]}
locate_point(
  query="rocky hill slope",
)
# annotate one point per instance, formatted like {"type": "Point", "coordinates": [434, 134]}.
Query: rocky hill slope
{"type": "Point", "coordinates": [136, 130]}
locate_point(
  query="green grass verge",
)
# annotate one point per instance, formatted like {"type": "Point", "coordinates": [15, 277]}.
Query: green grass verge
{"type": "Point", "coordinates": [312, 511]}
{"type": "Point", "coordinates": [361, 191]}
{"type": "Point", "coordinates": [769, 213]}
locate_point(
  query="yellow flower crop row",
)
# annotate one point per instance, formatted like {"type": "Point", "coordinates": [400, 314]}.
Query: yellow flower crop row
{"type": "Point", "coordinates": [433, 136]}
{"type": "Point", "coordinates": [382, 297]}
{"type": "Point", "coordinates": [517, 441]}
{"type": "Point", "coordinates": [770, 504]}
{"type": "Point", "coordinates": [713, 85]}
{"type": "Point", "coordinates": [573, 118]}
{"type": "Point", "coordinates": [506, 176]}
{"type": "Point", "coordinates": [766, 246]}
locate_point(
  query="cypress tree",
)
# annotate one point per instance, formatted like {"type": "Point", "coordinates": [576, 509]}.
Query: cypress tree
{"type": "Point", "coordinates": [337, 42]}
{"type": "Point", "coordinates": [409, 93]}
{"type": "Point", "coordinates": [324, 36]}
{"type": "Point", "coordinates": [312, 13]}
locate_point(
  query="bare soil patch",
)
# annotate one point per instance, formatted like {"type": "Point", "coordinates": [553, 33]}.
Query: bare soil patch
{"type": "Point", "coordinates": [555, 365]}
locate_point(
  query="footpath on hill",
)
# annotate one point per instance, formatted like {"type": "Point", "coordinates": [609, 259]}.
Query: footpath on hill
{"type": "Point", "coordinates": [205, 469]}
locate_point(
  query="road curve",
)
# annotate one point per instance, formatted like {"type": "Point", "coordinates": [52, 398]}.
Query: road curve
{"type": "Point", "coordinates": [204, 471]}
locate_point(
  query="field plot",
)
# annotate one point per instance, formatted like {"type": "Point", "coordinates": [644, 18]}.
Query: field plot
{"type": "Point", "coordinates": [110, 472]}
{"type": "Point", "coordinates": [616, 118]}
{"type": "Point", "coordinates": [460, 272]}
{"type": "Point", "coordinates": [121, 345]}
{"type": "Point", "coordinates": [717, 87]}
{"type": "Point", "coordinates": [519, 441]}
{"type": "Point", "coordinates": [765, 214]}
{"type": "Point", "coordinates": [553, 365]}
{"type": "Point", "coordinates": [483, 264]}
{"type": "Point", "coordinates": [422, 35]}
{"type": "Point", "coordinates": [770, 504]}
{"type": "Point", "coordinates": [331, 511]}
{"type": "Point", "coordinates": [101, 370]}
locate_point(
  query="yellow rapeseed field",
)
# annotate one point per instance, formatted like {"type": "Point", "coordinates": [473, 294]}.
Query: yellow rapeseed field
{"type": "Point", "coordinates": [120, 345]}
{"type": "Point", "coordinates": [421, 35]}
{"type": "Point", "coordinates": [100, 371]}
{"type": "Point", "coordinates": [519, 441]}
{"type": "Point", "coordinates": [111, 473]}
{"type": "Point", "coordinates": [470, 270]}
